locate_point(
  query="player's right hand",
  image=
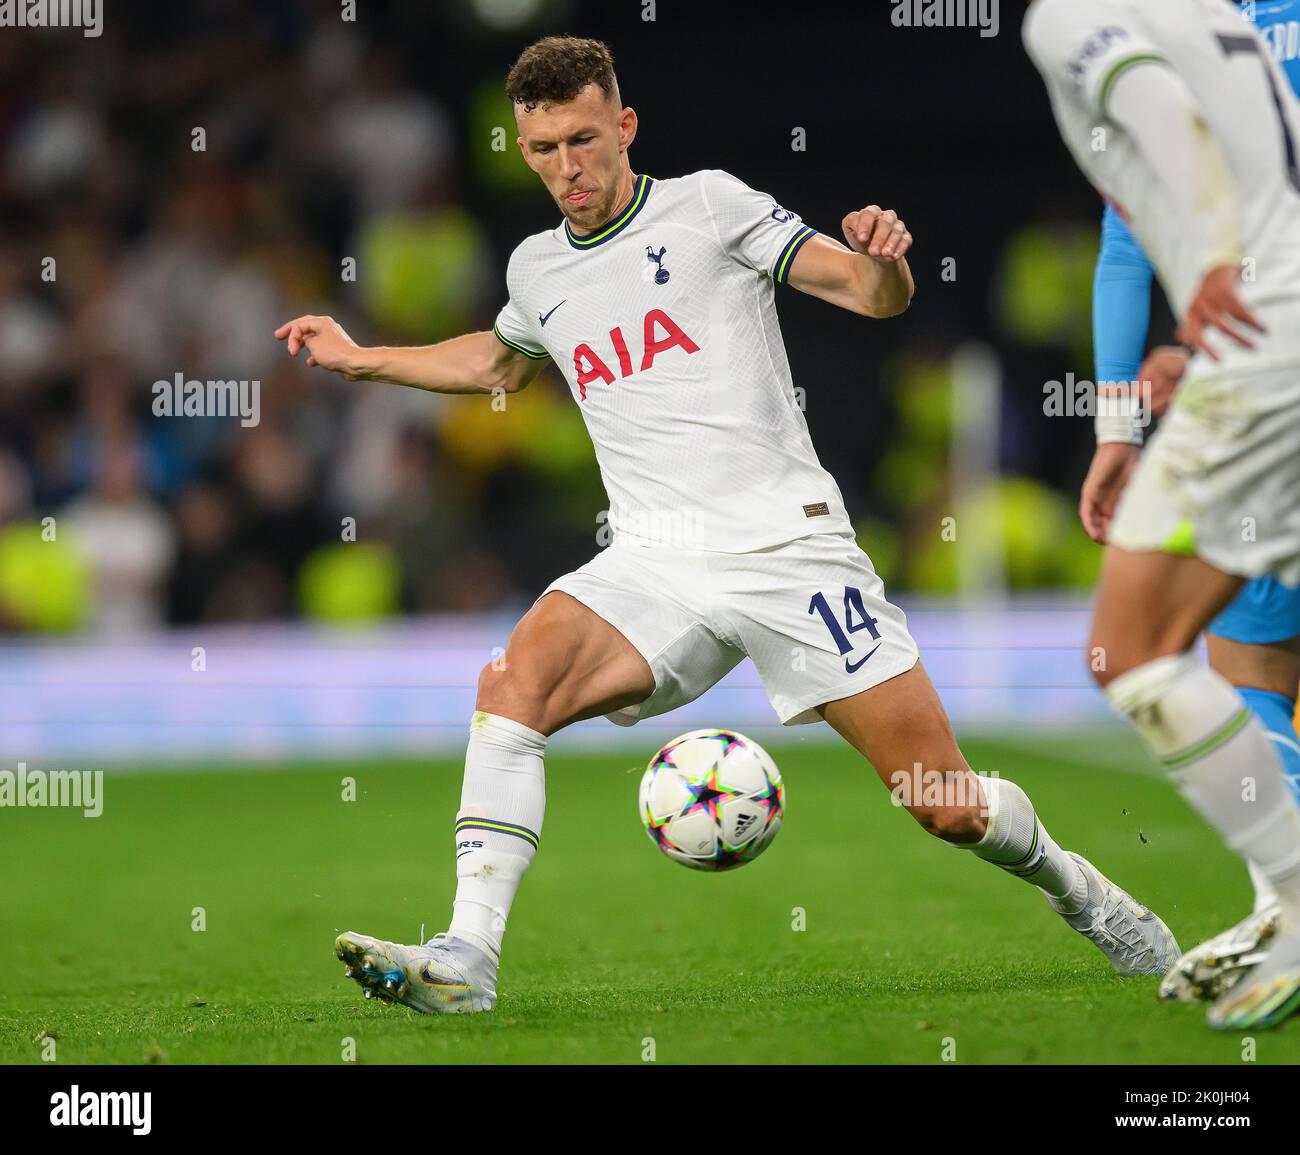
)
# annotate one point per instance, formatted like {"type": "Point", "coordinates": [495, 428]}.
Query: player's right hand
{"type": "Point", "coordinates": [326, 343]}
{"type": "Point", "coordinates": [1160, 374]}
{"type": "Point", "coordinates": [1215, 305]}
{"type": "Point", "coordinates": [1112, 466]}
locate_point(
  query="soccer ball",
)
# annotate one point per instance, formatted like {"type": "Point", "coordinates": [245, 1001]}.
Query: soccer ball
{"type": "Point", "coordinates": [712, 799]}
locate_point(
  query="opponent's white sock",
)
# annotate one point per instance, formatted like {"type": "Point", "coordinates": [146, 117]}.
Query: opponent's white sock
{"type": "Point", "coordinates": [1017, 842]}
{"type": "Point", "coordinates": [498, 826]}
{"type": "Point", "coordinates": [1265, 895]}
{"type": "Point", "coordinates": [1219, 757]}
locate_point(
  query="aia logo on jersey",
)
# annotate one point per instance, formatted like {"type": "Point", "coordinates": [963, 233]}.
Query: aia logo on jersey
{"type": "Point", "coordinates": [588, 366]}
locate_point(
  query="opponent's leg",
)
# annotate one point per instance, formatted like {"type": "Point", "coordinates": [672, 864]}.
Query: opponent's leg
{"type": "Point", "coordinates": [1150, 608]}
{"type": "Point", "coordinates": [900, 726]}
{"type": "Point", "coordinates": [562, 663]}
{"type": "Point", "coordinates": [1266, 675]}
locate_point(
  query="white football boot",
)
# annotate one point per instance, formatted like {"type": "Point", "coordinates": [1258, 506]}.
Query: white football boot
{"type": "Point", "coordinates": [1210, 970]}
{"type": "Point", "coordinates": [1267, 993]}
{"type": "Point", "coordinates": [444, 976]}
{"type": "Point", "coordinates": [1134, 940]}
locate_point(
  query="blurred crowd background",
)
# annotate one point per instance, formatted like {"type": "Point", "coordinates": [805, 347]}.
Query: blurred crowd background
{"type": "Point", "coordinates": [128, 255]}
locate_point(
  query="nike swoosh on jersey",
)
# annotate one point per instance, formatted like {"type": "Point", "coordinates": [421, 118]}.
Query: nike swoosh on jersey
{"type": "Point", "coordinates": [547, 317]}
{"type": "Point", "coordinates": [854, 667]}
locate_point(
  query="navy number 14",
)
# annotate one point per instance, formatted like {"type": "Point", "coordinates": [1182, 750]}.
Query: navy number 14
{"type": "Point", "coordinates": [856, 619]}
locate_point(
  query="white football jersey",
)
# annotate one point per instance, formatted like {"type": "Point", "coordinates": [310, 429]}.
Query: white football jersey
{"type": "Point", "coordinates": [664, 325]}
{"type": "Point", "coordinates": [1082, 47]}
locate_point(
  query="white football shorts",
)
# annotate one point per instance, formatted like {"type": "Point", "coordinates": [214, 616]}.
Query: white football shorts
{"type": "Point", "coordinates": [810, 613]}
{"type": "Point", "coordinates": [1221, 477]}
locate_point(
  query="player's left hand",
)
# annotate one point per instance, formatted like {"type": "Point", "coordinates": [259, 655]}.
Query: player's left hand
{"type": "Point", "coordinates": [1217, 306]}
{"type": "Point", "coordinates": [877, 233]}
{"type": "Point", "coordinates": [1112, 466]}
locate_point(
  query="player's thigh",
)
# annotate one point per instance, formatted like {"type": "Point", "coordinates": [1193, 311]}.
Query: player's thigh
{"type": "Point", "coordinates": [1271, 666]}
{"type": "Point", "coordinates": [902, 729]}
{"type": "Point", "coordinates": [813, 617]}
{"type": "Point", "coordinates": [657, 600]}
{"type": "Point", "coordinates": [1150, 605]}
{"type": "Point", "coordinates": [1255, 642]}
{"type": "Point", "coordinates": [563, 663]}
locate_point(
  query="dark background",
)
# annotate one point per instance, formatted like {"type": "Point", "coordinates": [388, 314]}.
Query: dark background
{"type": "Point", "coordinates": [171, 260]}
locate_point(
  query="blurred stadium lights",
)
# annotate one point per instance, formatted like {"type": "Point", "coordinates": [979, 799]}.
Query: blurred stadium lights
{"type": "Point", "coordinates": [405, 687]}
{"type": "Point", "coordinates": [514, 15]}
{"type": "Point", "coordinates": [976, 399]}
{"type": "Point", "coordinates": [976, 424]}
{"type": "Point", "coordinates": [117, 523]}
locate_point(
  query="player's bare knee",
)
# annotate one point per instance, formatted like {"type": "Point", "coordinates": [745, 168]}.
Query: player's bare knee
{"type": "Point", "coordinates": [1109, 656]}
{"type": "Point", "coordinates": [1118, 647]}
{"type": "Point", "coordinates": [512, 690]}
{"type": "Point", "coordinates": [1102, 674]}
{"type": "Point", "coordinates": [945, 802]}
{"type": "Point", "coordinates": [958, 823]}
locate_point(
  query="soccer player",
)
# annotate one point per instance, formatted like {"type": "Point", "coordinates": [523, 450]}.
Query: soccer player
{"type": "Point", "coordinates": [1177, 112]}
{"type": "Point", "coordinates": [1255, 642]}
{"type": "Point", "coordinates": [657, 301]}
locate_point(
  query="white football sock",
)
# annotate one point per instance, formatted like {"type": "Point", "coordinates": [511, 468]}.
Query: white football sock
{"type": "Point", "coordinates": [1219, 757]}
{"type": "Point", "coordinates": [498, 826]}
{"type": "Point", "coordinates": [1265, 895]}
{"type": "Point", "coordinates": [1017, 842]}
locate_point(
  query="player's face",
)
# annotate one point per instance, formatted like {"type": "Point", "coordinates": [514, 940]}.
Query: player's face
{"type": "Point", "coordinates": [577, 149]}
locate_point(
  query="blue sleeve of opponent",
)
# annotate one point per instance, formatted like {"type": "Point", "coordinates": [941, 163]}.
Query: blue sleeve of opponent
{"type": "Point", "coordinates": [1121, 301]}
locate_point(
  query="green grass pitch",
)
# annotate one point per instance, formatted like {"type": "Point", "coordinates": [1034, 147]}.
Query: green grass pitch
{"type": "Point", "coordinates": [908, 944]}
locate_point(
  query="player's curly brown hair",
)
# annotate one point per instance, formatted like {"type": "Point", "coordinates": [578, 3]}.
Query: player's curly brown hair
{"type": "Point", "coordinates": [555, 69]}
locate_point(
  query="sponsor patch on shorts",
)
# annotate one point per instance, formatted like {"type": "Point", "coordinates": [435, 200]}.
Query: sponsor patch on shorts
{"type": "Point", "coordinates": [821, 509]}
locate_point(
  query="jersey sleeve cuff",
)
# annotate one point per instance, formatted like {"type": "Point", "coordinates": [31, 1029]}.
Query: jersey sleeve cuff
{"type": "Point", "coordinates": [517, 347]}
{"type": "Point", "coordinates": [1117, 69]}
{"type": "Point", "coordinates": [781, 269]}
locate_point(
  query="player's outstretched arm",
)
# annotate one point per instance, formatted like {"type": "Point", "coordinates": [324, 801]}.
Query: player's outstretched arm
{"type": "Point", "coordinates": [474, 363]}
{"type": "Point", "coordinates": [870, 276]}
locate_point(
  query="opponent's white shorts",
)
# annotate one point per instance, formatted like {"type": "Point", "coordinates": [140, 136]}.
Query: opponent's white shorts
{"type": "Point", "coordinates": [1221, 477]}
{"type": "Point", "coordinates": [811, 614]}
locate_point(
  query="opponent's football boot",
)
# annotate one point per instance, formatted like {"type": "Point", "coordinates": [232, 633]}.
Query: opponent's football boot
{"type": "Point", "coordinates": [1210, 970]}
{"type": "Point", "coordinates": [1267, 993]}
